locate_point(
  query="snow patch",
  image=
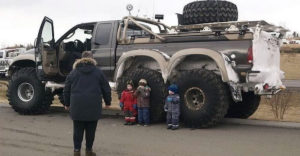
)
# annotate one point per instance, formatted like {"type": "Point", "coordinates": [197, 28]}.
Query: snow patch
{"type": "Point", "coordinates": [266, 59]}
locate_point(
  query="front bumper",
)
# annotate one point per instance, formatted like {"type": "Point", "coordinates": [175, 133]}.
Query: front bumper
{"type": "Point", "coordinates": [3, 73]}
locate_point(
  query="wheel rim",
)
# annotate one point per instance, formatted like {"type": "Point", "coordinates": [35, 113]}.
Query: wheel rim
{"type": "Point", "coordinates": [194, 98]}
{"type": "Point", "coordinates": [25, 91]}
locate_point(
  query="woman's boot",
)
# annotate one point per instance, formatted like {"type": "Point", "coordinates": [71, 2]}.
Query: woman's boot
{"type": "Point", "coordinates": [76, 153]}
{"type": "Point", "coordinates": [90, 153]}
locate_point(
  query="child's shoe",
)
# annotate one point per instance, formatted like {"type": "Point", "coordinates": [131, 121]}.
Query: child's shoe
{"type": "Point", "coordinates": [131, 123]}
{"type": "Point", "coordinates": [174, 127]}
{"type": "Point", "coordinates": [126, 123]}
{"type": "Point", "coordinates": [146, 125]}
{"type": "Point", "coordinates": [169, 126]}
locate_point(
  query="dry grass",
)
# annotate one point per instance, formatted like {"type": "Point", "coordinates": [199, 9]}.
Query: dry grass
{"type": "Point", "coordinates": [290, 48]}
{"type": "Point", "coordinates": [290, 64]}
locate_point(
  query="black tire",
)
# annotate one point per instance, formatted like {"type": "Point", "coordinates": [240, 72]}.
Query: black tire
{"type": "Point", "coordinates": [204, 98]}
{"type": "Point", "coordinates": [209, 11]}
{"type": "Point", "coordinates": [157, 85]}
{"type": "Point", "coordinates": [37, 102]}
{"type": "Point", "coordinates": [245, 108]}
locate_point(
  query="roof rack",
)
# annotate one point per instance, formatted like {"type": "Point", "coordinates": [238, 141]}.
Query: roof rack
{"type": "Point", "coordinates": [232, 26]}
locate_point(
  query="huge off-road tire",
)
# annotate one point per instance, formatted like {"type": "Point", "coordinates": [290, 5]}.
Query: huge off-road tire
{"type": "Point", "coordinates": [209, 11]}
{"type": "Point", "coordinates": [27, 94]}
{"type": "Point", "coordinates": [157, 85]}
{"type": "Point", "coordinates": [204, 98]}
{"type": "Point", "coordinates": [245, 108]}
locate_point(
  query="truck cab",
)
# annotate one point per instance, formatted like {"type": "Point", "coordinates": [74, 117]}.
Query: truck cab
{"type": "Point", "coordinates": [55, 58]}
{"type": "Point", "coordinates": [106, 40]}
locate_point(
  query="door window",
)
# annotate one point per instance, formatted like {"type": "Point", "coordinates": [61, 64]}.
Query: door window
{"type": "Point", "coordinates": [103, 33]}
{"type": "Point", "coordinates": [47, 33]}
{"type": "Point", "coordinates": [78, 40]}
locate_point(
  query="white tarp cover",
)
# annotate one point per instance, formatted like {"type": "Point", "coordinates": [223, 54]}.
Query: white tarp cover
{"type": "Point", "coordinates": [266, 59]}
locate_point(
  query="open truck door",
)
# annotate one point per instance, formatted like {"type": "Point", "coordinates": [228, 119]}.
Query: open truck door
{"type": "Point", "coordinates": [45, 51]}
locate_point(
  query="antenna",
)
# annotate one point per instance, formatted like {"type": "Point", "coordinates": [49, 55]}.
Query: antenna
{"type": "Point", "coordinates": [153, 9]}
{"type": "Point", "coordinates": [129, 8]}
{"type": "Point", "coordinates": [137, 15]}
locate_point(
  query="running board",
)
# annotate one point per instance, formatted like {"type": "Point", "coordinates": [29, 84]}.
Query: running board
{"type": "Point", "coordinates": [54, 86]}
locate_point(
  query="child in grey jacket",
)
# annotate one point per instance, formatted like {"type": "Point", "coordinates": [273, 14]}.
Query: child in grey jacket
{"type": "Point", "coordinates": [172, 107]}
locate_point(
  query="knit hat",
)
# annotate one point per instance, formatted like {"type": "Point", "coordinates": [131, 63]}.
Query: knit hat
{"type": "Point", "coordinates": [143, 81]}
{"type": "Point", "coordinates": [173, 88]}
{"type": "Point", "coordinates": [87, 54]}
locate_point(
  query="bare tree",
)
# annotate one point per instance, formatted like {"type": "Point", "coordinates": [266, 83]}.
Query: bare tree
{"type": "Point", "coordinates": [280, 103]}
{"type": "Point", "coordinates": [29, 46]}
{"type": "Point", "coordinates": [295, 34]}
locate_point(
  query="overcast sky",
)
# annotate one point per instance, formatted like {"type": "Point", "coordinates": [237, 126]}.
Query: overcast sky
{"type": "Point", "coordinates": [20, 19]}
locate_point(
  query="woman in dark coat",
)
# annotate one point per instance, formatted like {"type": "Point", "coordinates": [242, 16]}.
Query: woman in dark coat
{"type": "Point", "coordinates": [84, 88]}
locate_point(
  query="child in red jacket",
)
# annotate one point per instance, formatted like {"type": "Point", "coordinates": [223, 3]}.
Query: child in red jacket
{"type": "Point", "coordinates": [128, 104]}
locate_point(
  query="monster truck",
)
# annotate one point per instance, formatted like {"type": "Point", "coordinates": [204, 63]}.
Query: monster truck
{"type": "Point", "coordinates": [221, 68]}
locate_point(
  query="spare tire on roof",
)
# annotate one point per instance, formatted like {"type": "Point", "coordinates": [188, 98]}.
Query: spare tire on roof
{"type": "Point", "coordinates": [209, 11]}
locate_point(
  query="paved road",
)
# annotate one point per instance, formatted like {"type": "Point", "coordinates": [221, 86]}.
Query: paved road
{"type": "Point", "coordinates": [291, 83]}
{"type": "Point", "coordinates": [51, 135]}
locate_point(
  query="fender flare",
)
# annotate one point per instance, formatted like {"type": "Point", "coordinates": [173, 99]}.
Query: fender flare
{"type": "Point", "coordinates": [214, 55]}
{"type": "Point", "coordinates": [23, 57]}
{"type": "Point", "coordinates": [160, 57]}
{"type": "Point", "coordinates": [20, 58]}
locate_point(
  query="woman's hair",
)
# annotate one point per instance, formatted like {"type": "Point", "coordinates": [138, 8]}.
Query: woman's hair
{"type": "Point", "coordinates": [87, 54]}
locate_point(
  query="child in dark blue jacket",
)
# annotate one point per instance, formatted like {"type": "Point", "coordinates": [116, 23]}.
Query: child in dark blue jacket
{"type": "Point", "coordinates": [172, 107]}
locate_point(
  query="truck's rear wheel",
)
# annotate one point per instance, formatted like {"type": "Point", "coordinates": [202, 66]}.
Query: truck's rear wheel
{"type": "Point", "coordinates": [204, 98]}
{"type": "Point", "coordinates": [157, 85]}
{"type": "Point", "coordinates": [245, 108]}
{"type": "Point", "coordinates": [27, 94]}
{"type": "Point", "coordinates": [209, 11]}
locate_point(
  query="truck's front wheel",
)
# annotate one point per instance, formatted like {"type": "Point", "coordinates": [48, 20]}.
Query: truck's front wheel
{"type": "Point", "coordinates": [27, 94]}
{"type": "Point", "coordinates": [204, 98]}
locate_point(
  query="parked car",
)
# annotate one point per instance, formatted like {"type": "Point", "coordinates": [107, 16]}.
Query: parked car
{"type": "Point", "coordinates": [6, 56]}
